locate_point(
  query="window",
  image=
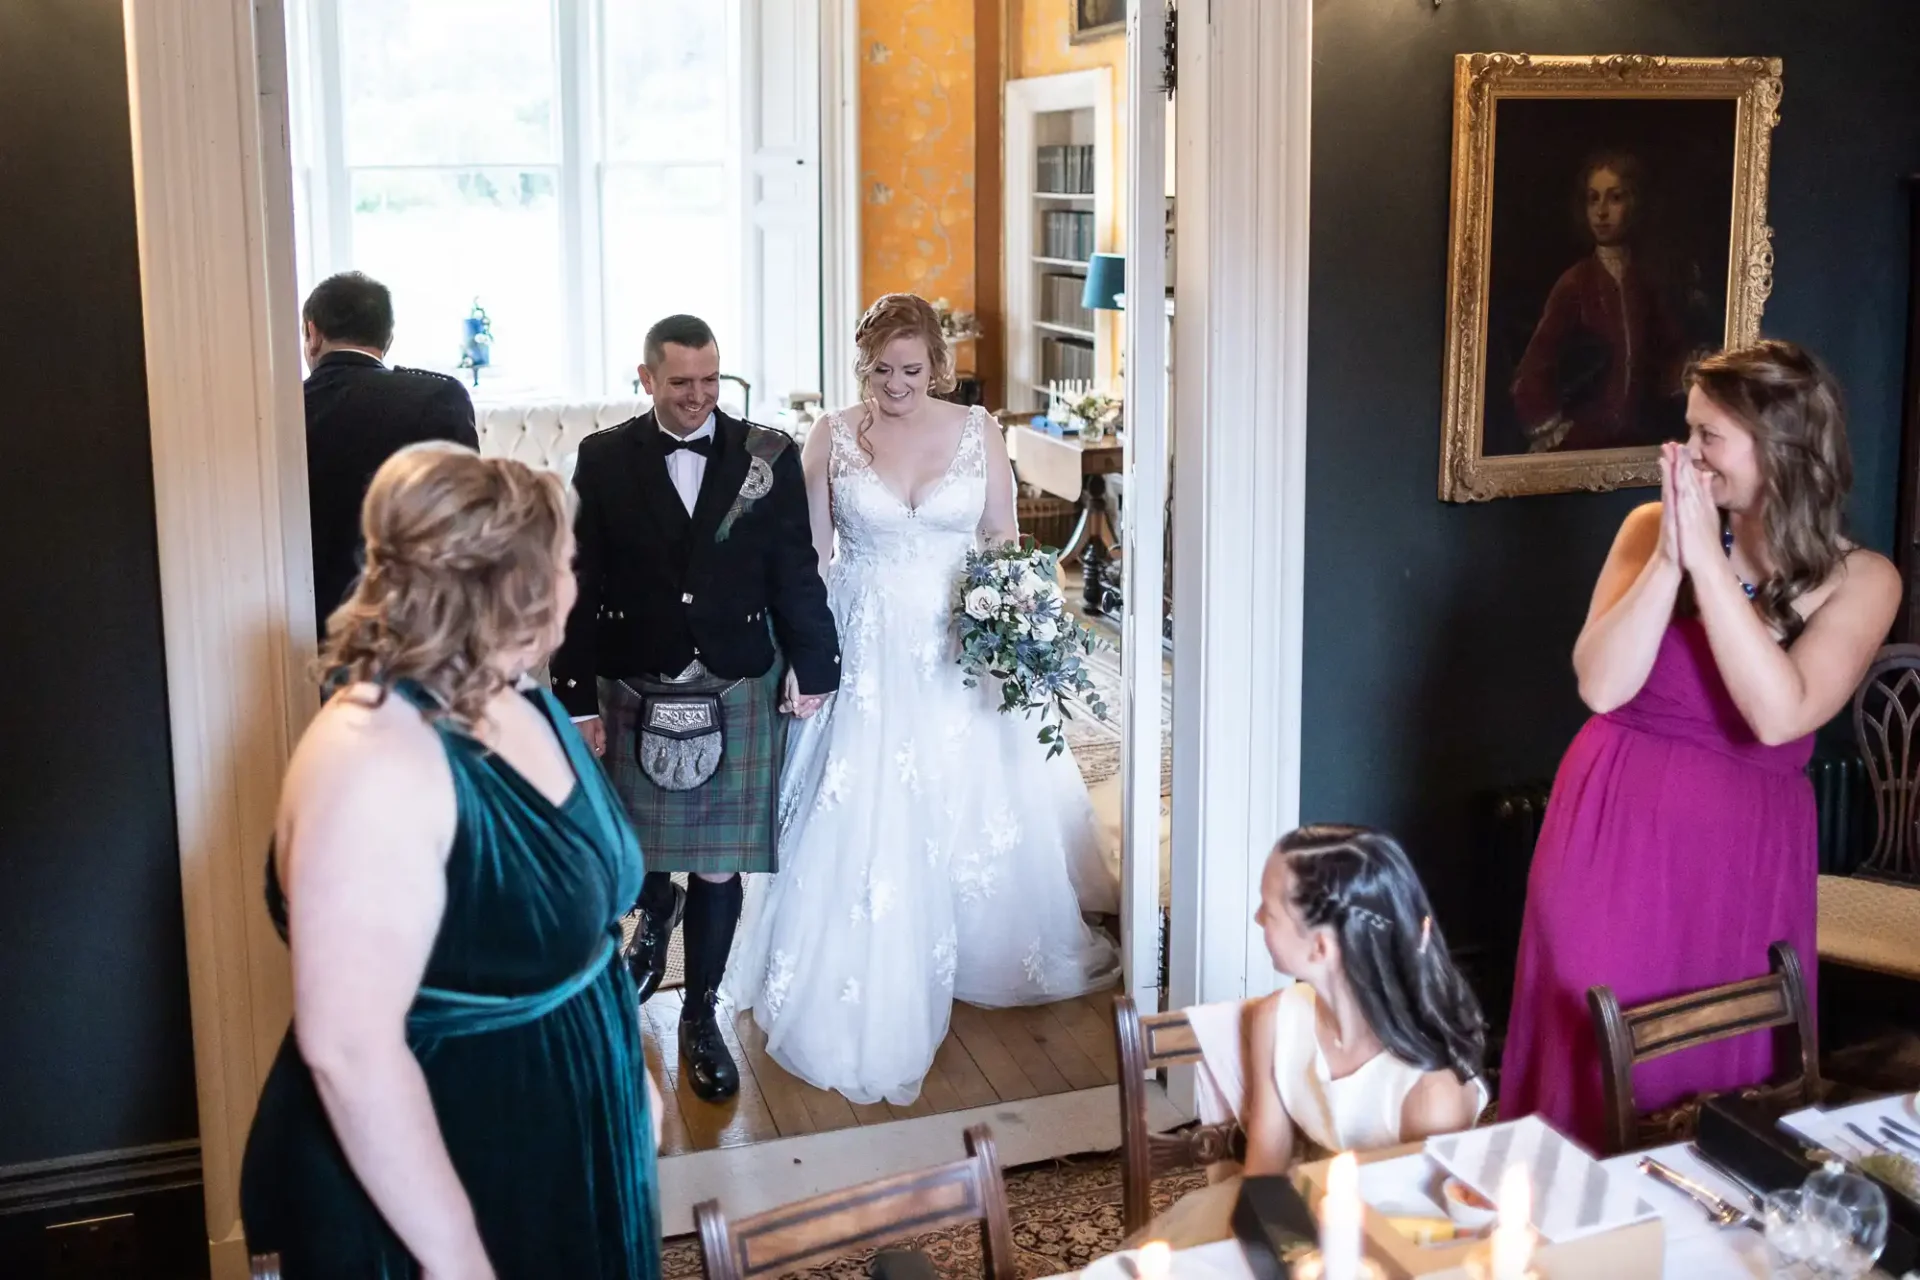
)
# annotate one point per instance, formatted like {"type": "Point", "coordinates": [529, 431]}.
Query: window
{"type": "Point", "coordinates": [577, 168]}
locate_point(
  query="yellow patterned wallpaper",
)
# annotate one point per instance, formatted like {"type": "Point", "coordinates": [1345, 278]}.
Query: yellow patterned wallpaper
{"type": "Point", "coordinates": [916, 149]}
{"type": "Point", "coordinates": [917, 131]}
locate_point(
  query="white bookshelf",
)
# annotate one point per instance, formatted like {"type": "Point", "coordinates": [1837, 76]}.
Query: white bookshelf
{"type": "Point", "coordinates": [1071, 110]}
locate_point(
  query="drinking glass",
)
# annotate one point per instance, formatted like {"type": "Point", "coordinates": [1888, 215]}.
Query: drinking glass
{"type": "Point", "coordinates": [1790, 1230]}
{"type": "Point", "coordinates": [1849, 1214]}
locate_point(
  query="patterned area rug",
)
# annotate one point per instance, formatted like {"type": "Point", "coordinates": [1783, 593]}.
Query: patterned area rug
{"type": "Point", "coordinates": [1096, 743]}
{"type": "Point", "coordinates": [1065, 1214]}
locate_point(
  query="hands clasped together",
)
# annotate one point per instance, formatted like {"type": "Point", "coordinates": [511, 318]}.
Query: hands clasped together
{"type": "Point", "coordinates": [1690, 535]}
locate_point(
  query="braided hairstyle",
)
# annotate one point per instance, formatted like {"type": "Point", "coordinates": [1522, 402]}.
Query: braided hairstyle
{"type": "Point", "coordinates": [464, 560]}
{"type": "Point", "coordinates": [898, 315]}
{"type": "Point", "coordinates": [1359, 883]}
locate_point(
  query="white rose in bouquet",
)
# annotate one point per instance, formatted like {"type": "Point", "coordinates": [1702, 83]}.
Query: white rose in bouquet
{"type": "Point", "coordinates": [982, 603]}
{"type": "Point", "coordinates": [1014, 631]}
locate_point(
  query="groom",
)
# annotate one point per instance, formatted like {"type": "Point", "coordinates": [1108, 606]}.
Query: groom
{"type": "Point", "coordinates": [693, 541]}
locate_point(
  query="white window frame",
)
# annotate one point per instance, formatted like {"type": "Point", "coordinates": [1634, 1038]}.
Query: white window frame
{"type": "Point", "coordinates": [323, 188]}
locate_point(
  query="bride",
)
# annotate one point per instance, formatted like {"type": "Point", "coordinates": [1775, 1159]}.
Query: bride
{"type": "Point", "coordinates": [929, 849]}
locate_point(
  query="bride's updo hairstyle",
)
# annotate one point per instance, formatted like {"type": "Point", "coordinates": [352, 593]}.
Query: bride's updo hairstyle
{"type": "Point", "coordinates": [902, 315]}
{"type": "Point", "coordinates": [898, 315]}
{"type": "Point", "coordinates": [463, 564]}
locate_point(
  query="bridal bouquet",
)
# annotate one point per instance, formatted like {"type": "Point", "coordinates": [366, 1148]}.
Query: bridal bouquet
{"type": "Point", "coordinates": [1014, 626]}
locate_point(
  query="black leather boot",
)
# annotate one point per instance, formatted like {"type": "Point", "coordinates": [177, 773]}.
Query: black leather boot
{"type": "Point", "coordinates": [662, 903]}
{"type": "Point", "coordinates": [713, 910]}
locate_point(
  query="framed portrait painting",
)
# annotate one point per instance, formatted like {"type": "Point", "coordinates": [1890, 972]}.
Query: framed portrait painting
{"type": "Point", "coordinates": [1609, 222]}
{"type": "Point", "coordinates": [1097, 19]}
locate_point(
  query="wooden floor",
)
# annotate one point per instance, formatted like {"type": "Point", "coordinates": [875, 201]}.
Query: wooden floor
{"type": "Point", "coordinates": [990, 1055]}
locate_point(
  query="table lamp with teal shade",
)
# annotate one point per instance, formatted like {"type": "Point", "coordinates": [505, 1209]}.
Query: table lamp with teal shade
{"type": "Point", "coordinates": [1106, 282]}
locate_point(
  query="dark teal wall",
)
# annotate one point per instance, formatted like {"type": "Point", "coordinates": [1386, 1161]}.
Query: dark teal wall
{"type": "Point", "coordinates": [1438, 637]}
{"type": "Point", "coordinates": [98, 1051]}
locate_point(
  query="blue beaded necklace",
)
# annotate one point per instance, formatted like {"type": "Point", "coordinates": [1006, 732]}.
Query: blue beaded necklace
{"type": "Point", "coordinates": [1726, 542]}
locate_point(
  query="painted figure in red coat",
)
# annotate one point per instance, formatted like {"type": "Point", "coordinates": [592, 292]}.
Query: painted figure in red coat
{"type": "Point", "coordinates": [1603, 366]}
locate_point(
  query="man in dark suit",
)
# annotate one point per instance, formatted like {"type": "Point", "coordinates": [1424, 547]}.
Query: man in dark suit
{"type": "Point", "coordinates": [694, 554]}
{"type": "Point", "coordinates": [359, 414]}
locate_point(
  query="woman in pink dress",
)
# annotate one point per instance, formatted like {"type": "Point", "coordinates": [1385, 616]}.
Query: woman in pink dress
{"type": "Point", "coordinates": [1732, 619]}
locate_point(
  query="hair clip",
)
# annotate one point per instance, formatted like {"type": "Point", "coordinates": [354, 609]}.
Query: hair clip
{"type": "Point", "coordinates": [1426, 934]}
{"type": "Point", "coordinates": [1369, 917]}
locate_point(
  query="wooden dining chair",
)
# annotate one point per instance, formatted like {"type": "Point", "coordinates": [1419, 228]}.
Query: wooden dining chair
{"type": "Point", "coordinates": [1629, 1037]}
{"type": "Point", "coordinates": [811, 1231]}
{"type": "Point", "coordinates": [264, 1266]}
{"type": "Point", "coordinates": [1886, 728]}
{"type": "Point", "coordinates": [1148, 1044]}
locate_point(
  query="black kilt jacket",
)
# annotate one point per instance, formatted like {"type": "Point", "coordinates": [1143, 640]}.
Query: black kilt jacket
{"type": "Point", "coordinates": [660, 588]}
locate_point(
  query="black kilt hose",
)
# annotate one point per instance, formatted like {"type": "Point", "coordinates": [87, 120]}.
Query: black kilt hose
{"type": "Point", "coordinates": [726, 824]}
{"type": "Point", "coordinates": [734, 585]}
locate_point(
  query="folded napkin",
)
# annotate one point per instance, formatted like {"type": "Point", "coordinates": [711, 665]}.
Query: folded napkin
{"type": "Point", "coordinates": [1220, 1081]}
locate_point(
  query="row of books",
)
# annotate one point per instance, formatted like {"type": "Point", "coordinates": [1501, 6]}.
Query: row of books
{"type": "Point", "coordinates": [1066, 171]}
{"type": "Point", "coordinates": [1067, 233]}
{"type": "Point", "coordinates": [1065, 358]}
{"type": "Point", "coordinates": [1060, 301]}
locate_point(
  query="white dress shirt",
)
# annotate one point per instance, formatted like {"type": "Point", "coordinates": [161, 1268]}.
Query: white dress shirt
{"type": "Point", "coordinates": [687, 468]}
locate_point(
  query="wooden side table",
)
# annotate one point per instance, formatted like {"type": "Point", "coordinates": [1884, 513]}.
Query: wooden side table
{"type": "Point", "coordinates": [1068, 468]}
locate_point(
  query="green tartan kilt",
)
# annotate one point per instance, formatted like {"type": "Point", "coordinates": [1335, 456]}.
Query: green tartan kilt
{"type": "Point", "coordinates": [728, 823]}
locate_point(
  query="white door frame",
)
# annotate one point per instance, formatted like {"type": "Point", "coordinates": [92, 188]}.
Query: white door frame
{"type": "Point", "coordinates": [212, 187]}
{"type": "Point", "coordinates": [213, 200]}
{"type": "Point", "coordinates": [1144, 523]}
{"type": "Point", "coordinates": [1244, 133]}
{"type": "Point", "coordinates": [841, 299]}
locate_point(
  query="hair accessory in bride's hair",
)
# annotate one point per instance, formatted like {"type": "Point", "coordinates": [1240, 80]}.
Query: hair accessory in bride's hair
{"type": "Point", "coordinates": [1426, 933]}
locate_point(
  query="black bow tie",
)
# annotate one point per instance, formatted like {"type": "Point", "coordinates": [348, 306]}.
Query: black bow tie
{"type": "Point", "coordinates": [670, 442]}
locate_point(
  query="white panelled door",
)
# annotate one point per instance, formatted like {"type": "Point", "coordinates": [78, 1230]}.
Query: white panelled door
{"type": "Point", "coordinates": [779, 138]}
{"type": "Point", "coordinates": [1143, 522]}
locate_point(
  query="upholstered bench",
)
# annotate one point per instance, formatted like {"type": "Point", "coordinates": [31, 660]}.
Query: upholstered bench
{"type": "Point", "coordinates": [549, 435]}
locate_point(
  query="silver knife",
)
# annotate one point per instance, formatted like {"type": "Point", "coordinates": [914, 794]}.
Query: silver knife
{"type": "Point", "coordinates": [1899, 1128]}
{"type": "Point", "coordinates": [1869, 1139]}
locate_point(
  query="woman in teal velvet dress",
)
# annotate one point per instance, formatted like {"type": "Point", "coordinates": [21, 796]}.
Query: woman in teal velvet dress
{"type": "Point", "coordinates": [462, 1092]}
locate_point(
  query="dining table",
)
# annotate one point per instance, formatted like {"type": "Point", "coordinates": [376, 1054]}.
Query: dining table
{"type": "Point", "coordinates": [1694, 1248]}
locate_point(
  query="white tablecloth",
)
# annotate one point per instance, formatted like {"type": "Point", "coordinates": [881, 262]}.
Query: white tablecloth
{"type": "Point", "coordinates": [1695, 1249]}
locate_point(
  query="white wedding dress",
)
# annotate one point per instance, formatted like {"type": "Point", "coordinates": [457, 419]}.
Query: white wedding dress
{"type": "Point", "coordinates": [929, 850]}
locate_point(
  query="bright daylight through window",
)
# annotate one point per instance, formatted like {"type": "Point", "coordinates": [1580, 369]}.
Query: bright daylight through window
{"type": "Point", "coordinates": [572, 168]}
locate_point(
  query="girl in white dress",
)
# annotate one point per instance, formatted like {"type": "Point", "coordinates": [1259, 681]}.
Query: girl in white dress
{"type": "Point", "coordinates": [1378, 1041]}
{"type": "Point", "coordinates": [929, 849]}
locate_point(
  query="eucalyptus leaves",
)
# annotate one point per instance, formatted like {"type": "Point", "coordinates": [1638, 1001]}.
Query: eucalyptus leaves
{"type": "Point", "coordinates": [1014, 627]}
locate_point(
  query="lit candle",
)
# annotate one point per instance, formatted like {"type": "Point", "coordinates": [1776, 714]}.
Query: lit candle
{"type": "Point", "coordinates": [1513, 1236]}
{"type": "Point", "coordinates": [1340, 1220]}
{"type": "Point", "coordinates": [1155, 1260]}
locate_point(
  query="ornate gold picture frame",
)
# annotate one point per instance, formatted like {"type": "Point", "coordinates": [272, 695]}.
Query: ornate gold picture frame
{"type": "Point", "coordinates": [1609, 219]}
{"type": "Point", "coordinates": [1097, 19]}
